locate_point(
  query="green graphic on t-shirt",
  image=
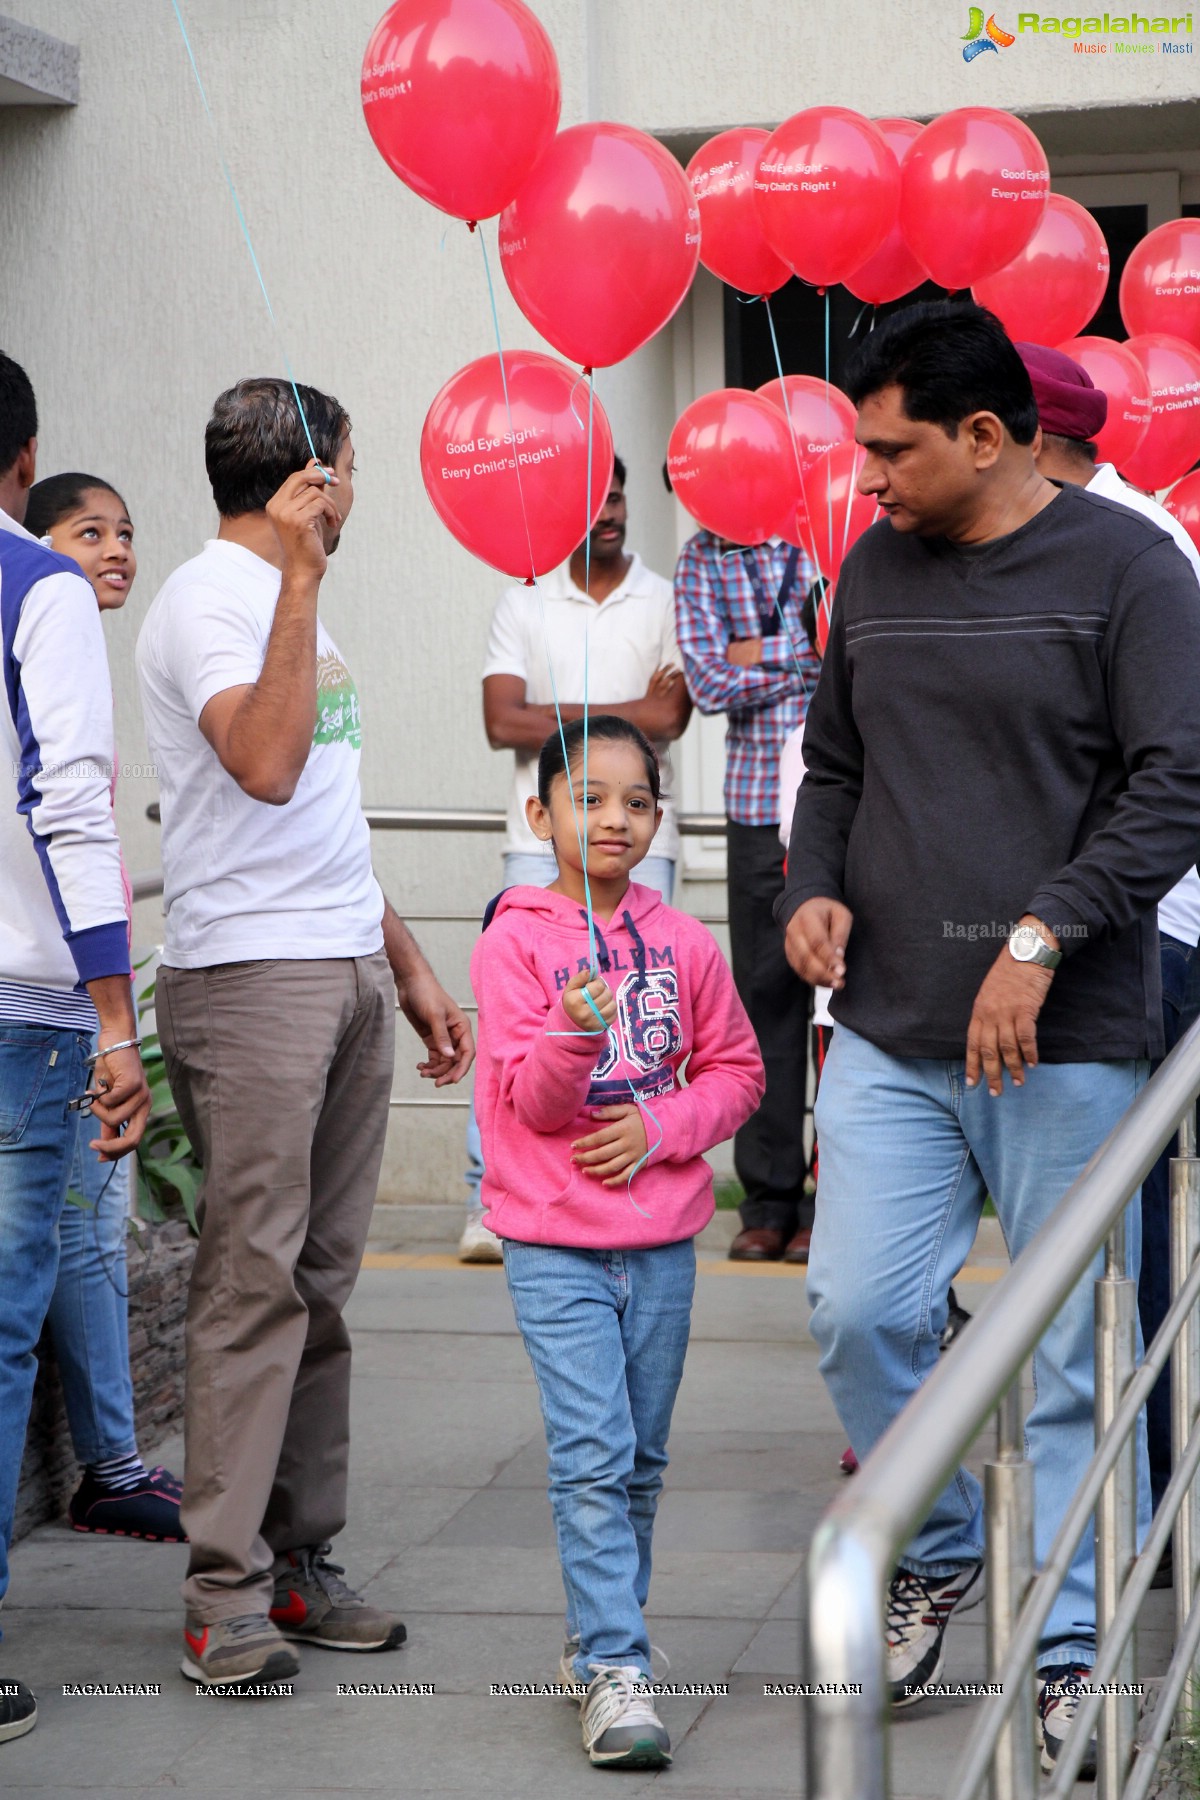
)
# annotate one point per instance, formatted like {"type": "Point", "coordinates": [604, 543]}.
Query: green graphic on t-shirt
{"type": "Point", "coordinates": [338, 718]}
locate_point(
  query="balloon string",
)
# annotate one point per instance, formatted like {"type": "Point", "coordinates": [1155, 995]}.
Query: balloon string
{"type": "Point", "coordinates": [787, 413]}
{"type": "Point", "coordinates": [587, 621]}
{"type": "Point", "coordinates": [512, 432]}
{"type": "Point", "coordinates": [828, 485]}
{"type": "Point", "coordinates": [241, 219]}
{"type": "Point", "coordinates": [587, 633]}
{"type": "Point", "coordinates": [805, 690]}
{"type": "Point", "coordinates": [811, 545]}
{"type": "Point", "coordinates": [595, 961]}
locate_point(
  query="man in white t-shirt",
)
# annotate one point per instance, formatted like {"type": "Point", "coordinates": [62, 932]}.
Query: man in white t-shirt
{"type": "Point", "coordinates": [602, 626]}
{"type": "Point", "coordinates": [1071, 411]}
{"type": "Point", "coordinates": [276, 1010]}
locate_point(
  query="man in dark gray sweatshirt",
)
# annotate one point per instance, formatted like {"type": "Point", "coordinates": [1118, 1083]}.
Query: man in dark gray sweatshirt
{"type": "Point", "coordinates": [1003, 780]}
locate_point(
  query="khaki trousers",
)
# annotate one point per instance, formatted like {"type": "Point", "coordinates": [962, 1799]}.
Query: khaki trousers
{"type": "Point", "coordinates": [281, 1072]}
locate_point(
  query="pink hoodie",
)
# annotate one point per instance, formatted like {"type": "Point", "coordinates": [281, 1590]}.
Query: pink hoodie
{"type": "Point", "coordinates": [676, 1005]}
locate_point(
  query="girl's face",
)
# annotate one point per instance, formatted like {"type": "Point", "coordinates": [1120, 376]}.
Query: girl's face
{"type": "Point", "coordinates": [99, 535]}
{"type": "Point", "coordinates": [616, 812]}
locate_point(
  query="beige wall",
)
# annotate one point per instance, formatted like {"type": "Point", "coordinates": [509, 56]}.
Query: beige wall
{"type": "Point", "coordinates": [127, 293]}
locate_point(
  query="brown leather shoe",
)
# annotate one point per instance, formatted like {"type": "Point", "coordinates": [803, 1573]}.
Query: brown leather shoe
{"type": "Point", "coordinates": [757, 1246]}
{"type": "Point", "coordinates": [797, 1250]}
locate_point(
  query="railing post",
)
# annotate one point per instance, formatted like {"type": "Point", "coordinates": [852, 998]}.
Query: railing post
{"type": "Point", "coordinates": [1185, 1395]}
{"type": "Point", "coordinates": [1008, 1504]}
{"type": "Point", "coordinates": [1116, 1510]}
{"type": "Point", "coordinates": [842, 1651]}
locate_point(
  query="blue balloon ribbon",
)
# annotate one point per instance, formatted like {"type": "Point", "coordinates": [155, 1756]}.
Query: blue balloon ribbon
{"type": "Point", "coordinates": [512, 431]}
{"type": "Point", "coordinates": [241, 219]}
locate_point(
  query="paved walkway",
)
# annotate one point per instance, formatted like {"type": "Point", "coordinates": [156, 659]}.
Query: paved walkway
{"type": "Point", "coordinates": [450, 1525]}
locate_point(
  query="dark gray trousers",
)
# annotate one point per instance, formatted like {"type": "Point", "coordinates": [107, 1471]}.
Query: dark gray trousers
{"type": "Point", "coordinates": [768, 1152]}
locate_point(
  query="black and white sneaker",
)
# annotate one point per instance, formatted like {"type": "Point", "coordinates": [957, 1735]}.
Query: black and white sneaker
{"type": "Point", "coordinates": [18, 1710]}
{"type": "Point", "coordinates": [918, 1611]}
{"type": "Point", "coordinates": [957, 1317]}
{"type": "Point", "coordinates": [1060, 1688]}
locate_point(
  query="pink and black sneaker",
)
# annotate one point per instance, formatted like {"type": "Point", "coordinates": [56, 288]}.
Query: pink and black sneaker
{"type": "Point", "coordinates": [148, 1510]}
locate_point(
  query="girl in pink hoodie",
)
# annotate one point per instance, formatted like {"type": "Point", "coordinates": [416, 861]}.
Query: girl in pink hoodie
{"type": "Point", "coordinates": [596, 1181]}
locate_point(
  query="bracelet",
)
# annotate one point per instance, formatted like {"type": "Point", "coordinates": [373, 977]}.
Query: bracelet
{"type": "Point", "coordinates": [133, 1043]}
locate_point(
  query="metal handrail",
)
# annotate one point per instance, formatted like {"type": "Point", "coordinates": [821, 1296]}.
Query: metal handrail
{"type": "Point", "coordinates": [858, 1541]}
{"type": "Point", "coordinates": [149, 883]}
{"type": "Point", "coordinates": [445, 818]}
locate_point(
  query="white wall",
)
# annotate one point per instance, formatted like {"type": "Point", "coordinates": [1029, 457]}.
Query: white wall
{"type": "Point", "coordinates": [681, 66]}
{"type": "Point", "coordinates": [126, 292]}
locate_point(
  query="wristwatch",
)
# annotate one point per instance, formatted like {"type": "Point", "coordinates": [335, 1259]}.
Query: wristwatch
{"type": "Point", "coordinates": [1027, 945]}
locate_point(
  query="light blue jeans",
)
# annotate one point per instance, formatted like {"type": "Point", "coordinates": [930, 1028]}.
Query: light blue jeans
{"type": "Point", "coordinates": [41, 1068]}
{"type": "Point", "coordinates": [89, 1315]}
{"type": "Point", "coordinates": [606, 1332]}
{"type": "Point", "coordinates": [539, 869]}
{"type": "Point", "coordinates": [908, 1155]}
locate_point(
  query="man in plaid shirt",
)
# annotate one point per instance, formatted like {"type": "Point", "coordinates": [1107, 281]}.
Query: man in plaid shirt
{"type": "Point", "coordinates": [745, 653]}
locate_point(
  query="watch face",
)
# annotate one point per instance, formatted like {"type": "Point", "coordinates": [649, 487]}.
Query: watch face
{"type": "Point", "coordinates": [1024, 943]}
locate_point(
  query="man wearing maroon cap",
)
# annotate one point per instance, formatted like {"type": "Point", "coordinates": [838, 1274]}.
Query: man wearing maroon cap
{"type": "Point", "coordinates": [1071, 410]}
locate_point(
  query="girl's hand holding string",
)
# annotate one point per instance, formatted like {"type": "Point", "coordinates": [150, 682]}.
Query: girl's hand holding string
{"type": "Point", "coordinates": [575, 1004]}
{"type": "Point", "coordinates": [609, 1154]}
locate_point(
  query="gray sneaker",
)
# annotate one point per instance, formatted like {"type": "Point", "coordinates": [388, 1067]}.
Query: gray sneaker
{"type": "Point", "coordinates": [621, 1729]}
{"type": "Point", "coordinates": [237, 1651]}
{"type": "Point", "coordinates": [313, 1605]}
{"type": "Point", "coordinates": [919, 1608]}
{"type": "Point", "coordinates": [1060, 1688]}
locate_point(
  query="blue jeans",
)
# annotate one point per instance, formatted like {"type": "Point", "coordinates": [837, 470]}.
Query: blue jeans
{"type": "Point", "coordinates": [908, 1155]}
{"type": "Point", "coordinates": [89, 1316]}
{"type": "Point", "coordinates": [606, 1332]}
{"type": "Point", "coordinates": [1181, 1009]}
{"type": "Point", "coordinates": [41, 1068]}
{"type": "Point", "coordinates": [539, 869]}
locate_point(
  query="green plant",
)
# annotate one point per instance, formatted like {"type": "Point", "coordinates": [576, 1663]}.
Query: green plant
{"type": "Point", "coordinates": [168, 1174]}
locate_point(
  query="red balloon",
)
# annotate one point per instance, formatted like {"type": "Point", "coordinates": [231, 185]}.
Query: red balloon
{"type": "Point", "coordinates": [461, 98]}
{"type": "Point", "coordinates": [1172, 441]}
{"type": "Point", "coordinates": [523, 514]}
{"type": "Point", "coordinates": [972, 193]}
{"type": "Point", "coordinates": [731, 463]}
{"type": "Point", "coordinates": [838, 514]}
{"type": "Point", "coordinates": [827, 190]}
{"type": "Point", "coordinates": [1160, 284]}
{"type": "Point", "coordinates": [601, 243]}
{"type": "Point", "coordinates": [821, 416]}
{"type": "Point", "coordinates": [893, 270]}
{"type": "Point", "coordinates": [1116, 371]}
{"type": "Point", "coordinates": [1052, 289]}
{"type": "Point", "coordinates": [1183, 503]}
{"type": "Point", "coordinates": [732, 244]}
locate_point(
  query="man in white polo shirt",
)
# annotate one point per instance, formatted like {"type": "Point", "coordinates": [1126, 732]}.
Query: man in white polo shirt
{"type": "Point", "coordinates": [608, 601]}
{"type": "Point", "coordinates": [275, 1001]}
